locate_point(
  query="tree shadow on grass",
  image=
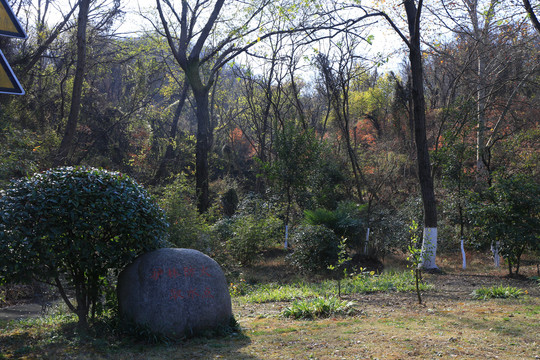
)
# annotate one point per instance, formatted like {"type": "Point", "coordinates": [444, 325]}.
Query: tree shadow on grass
{"type": "Point", "coordinates": [30, 339]}
{"type": "Point", "coordinates": [16, 345]}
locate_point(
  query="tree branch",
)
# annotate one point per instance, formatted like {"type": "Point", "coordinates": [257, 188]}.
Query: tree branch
{"type": "Point", "coordinates": [532, 15]}
{"type": "Point", "coordinates": [180, 57]}
{"type": "Point", "coordinates": [197, 48]}
{"type": "Point", "coordinates": [63, 294]}
{"type": "Point", "coordinates": [41, 49]}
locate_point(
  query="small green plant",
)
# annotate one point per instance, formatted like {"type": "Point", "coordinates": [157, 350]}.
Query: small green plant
{"type": "Point", "coordinates": [238, 288]}
{"type": "Point", "coordinates": [340, 268]}
{"type": "Point", "coordinates": [508, 212]}
{"type": "Point", "coordinates": [497, 292]}
{"type": "Point", "coordinates": [143, 333]}
{"type": "Point", "coordinates": [320, 307]}
{"type": "Point", "coordinates": [415, 257]}
{"type": "Point", "coordinates": [3, 295]}
{"type": "Point", "coordinates": [254, 227]}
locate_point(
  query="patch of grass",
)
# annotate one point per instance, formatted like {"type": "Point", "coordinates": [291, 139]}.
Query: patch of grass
{"type": "Point", "coordinates": [321, 307]}
{"type": "Point", "coordinates": [285, 330]}
{"type": "Point", "coordinates": [55, 336]}
{"type": "Point", "coordinates": [358, 284]}
{"type": "Point", "coordinates": [385, 282]}
{"type": "Point", "coordinates": [274, 292]}
{"type": "Point", "coordinates": [497, 292]}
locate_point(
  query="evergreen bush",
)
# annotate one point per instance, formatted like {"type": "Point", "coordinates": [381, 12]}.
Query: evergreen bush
{"type": "Point", "coordinates": [76, 223]}
{"type": "Point", "coordinates": [315, 248]}
{"type": "Point", "coordinates": [188, 229]}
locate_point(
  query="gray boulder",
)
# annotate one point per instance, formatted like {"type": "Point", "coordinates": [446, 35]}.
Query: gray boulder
{"type": "Point", "coordinates": [175, 292]}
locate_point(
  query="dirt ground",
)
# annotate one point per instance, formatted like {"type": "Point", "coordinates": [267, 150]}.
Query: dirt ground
{"type": "Point", "coordinates": [447, 289]}
{"type": "Point", "coordinates": [448, 325]}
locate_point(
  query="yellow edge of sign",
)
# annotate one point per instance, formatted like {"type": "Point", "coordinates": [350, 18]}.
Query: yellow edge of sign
{"type": "Point", "coordinates": [6, 24]}
{"type": "Point", "coordinates": [5, 81]}
{"type": "Point", "coordinates": [9, 84]}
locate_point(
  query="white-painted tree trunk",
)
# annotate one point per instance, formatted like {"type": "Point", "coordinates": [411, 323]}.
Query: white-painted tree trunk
{"type": "Point", "coordinates": [366, 245]}
{"type": "Point", "coordinates": [463, 254]}
{"type": "Point", "coordinates": [429, 249]}
{"type": "Point", "coordinates": [495, 250]}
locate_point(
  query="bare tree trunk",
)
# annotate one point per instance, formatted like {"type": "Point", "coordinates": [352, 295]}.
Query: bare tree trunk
{"type": "Point", "coordinates": [71, 126]}
{"type": "Point", "coordinates": [472, 6]}
{"type": "Point", "coordinates": [532, 15]}
{"type": "Point", "coordinates": [339, 105]}
{"type": "Point", "coordinates": [201, 150]}
{"type": "Point", "coordinates": [260, 185]}
{"type": "Point", "coordinates": [429, 244]}
{"type": "Point", "coordinates": [481, 107]}
{"type": "Point", "coordinates": [163, 171]}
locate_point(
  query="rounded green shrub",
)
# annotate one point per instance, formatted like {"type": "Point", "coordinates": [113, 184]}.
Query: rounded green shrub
{"type": "Point", "coordinates": [315, 248]}
{"type": "Point", "coordinates": [253, 228]}
{"type": "Point", "coordinates": [250, 236]}
{"type": "Point", "coordinates": [77, 224]}
{"type": "Point", "coordinates": [187, 228]}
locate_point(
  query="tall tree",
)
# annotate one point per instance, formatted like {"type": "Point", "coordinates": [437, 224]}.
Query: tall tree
{"type": "Point", "coordinates": [71, 125]}
{"type": "Point", "coordinates": [337, 87]}
{"type": "Point", "coordinates": [168, 157]}
{"type": "Point", "coordinates": [188, 33]}
{"type": "Point", "coordinates": [413, 11]}
{"type": "Point", "coordinates": [205, 35]}
{"type": "Point", "coordinates": [429, 243]}
{"type": "Point", "coordinates": [93, 17]}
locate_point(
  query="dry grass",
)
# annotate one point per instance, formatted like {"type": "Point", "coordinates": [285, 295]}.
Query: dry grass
{"type": "Point", "coordinates": [389, 326]}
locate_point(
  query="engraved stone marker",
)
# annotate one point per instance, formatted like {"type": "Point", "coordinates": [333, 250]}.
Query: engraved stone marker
{"type": "Point", "coordinates": [175, 292]}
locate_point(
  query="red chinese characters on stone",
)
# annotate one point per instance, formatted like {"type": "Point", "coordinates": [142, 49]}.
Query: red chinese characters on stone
{"type": "Point", "coordinates": [176, 294]}
{"type": "Point", "coordinates": [204, 272]}
{"type": "Point", "coordinates": [207, 294]}
{"type": "Point", "coordinates": [192, 293]}
{"type": "Point", "coordinates": [156, 273]}
{"type": "Point", "coordinates": [187, 272]}
{"type": "Point", "coordinates": [173, 273]}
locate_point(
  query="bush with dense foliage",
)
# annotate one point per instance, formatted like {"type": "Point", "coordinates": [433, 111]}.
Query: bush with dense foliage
{"type": "Point", "coordinates": [508, 212]}
{"type": "Point", "coordinates": [254, 227]}
{"type": "Point", "coordinates": [77, 224]}
{"type": "Point", "coordinates": [251, 235]}
{"type": "Point", "coordinates": [187, 228]}
{"type": "Point", "coordinates": [315, 248]}
{"type": "Point", "coordinates": [346, 220]}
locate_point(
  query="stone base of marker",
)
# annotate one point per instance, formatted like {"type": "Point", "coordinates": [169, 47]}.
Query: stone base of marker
{"type": "Point", "coordinates": [175, 292]}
